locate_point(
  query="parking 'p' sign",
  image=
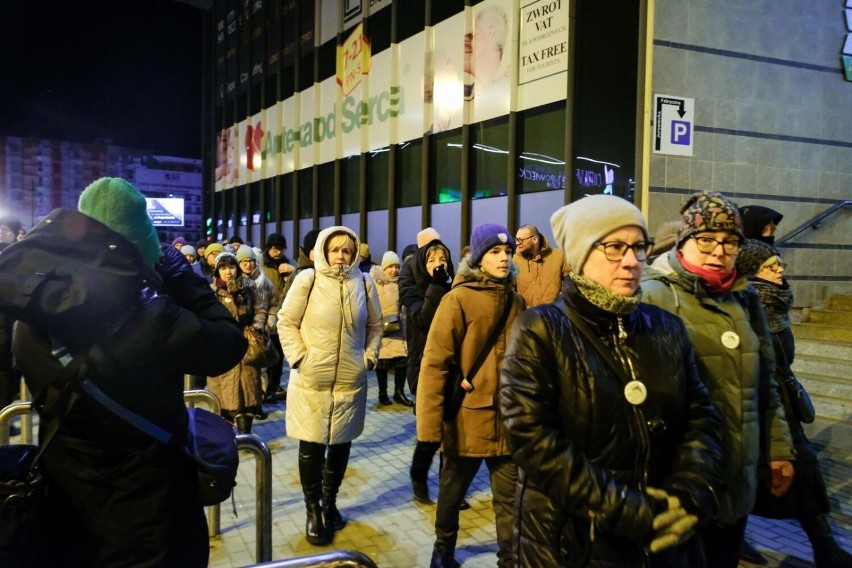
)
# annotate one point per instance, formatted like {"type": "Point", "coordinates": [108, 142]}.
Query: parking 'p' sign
{"type": "Point", "coordinates": [673, 125]}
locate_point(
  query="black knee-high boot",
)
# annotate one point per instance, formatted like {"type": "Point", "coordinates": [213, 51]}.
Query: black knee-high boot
{"type": "Point", "coordinates": [335, 469]}
{"type": "Point", "coordinates": [826, 550]}
{"type": "Point", "coordinates": [399, 387]}
{"type": "Point", "coordinates": [382, 379]}
{"type": "Point", "coordinates": [311, 465]}
{"type": "Point", "coordinates": [420, 463]}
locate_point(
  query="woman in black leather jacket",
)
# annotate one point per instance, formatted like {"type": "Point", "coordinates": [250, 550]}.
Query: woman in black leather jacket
{"type": "Point", "coordinates": [616, 468]}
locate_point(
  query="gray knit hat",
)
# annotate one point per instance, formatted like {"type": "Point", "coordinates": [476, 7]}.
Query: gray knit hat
{"type": "Point", "coordinates": [579, 225]}
{"type": "Point", "coordinates": [752, 256]}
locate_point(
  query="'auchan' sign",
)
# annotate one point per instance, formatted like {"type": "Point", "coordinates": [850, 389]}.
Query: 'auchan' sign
{"type": "Point", "coordinates": [353, 60]}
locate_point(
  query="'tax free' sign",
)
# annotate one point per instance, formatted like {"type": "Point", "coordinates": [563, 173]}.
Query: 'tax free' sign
{"type": "Point", "coordinates": [673, 125]}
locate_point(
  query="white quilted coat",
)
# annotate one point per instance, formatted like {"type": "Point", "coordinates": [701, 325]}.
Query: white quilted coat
{"type": "Point", "coordinates": [330, 327]}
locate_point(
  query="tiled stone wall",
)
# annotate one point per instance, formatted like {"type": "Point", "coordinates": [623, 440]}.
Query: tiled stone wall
{"type": "Point", "coordinates": [773, 122]}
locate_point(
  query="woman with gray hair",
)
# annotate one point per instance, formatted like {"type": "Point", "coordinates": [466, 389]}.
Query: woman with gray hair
{"type": "Point", "coordinates": [613, 432]}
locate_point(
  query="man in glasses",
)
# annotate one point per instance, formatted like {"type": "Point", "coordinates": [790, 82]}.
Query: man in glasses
{"type": "Point", "coordinates": [541, 269]}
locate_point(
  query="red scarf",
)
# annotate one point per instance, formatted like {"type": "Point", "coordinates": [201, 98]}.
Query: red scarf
{"type": "Point", "coordinates": [714, 282]}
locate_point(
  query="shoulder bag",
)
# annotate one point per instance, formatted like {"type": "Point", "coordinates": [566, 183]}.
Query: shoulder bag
{"type": "Point", "coordinates": [457, 385]}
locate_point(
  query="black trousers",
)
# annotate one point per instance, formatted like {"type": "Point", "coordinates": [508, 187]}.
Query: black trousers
{"type": "Point", "coordinates": [456, 476]}
{"type": "Point", "coordinates": [722, 543]}
{"type": "Point", "coordinates": [274, 372]}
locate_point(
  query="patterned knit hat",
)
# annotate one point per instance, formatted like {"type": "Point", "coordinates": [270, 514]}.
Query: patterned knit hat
{"type": "Point", "coordinates": [753, 255]}
{"type": "Point", "coordinates": [118, 205]}
{"type": "Point", "coordinates": [486, 236]}
{"type": "Point", "coordinates": [708, 212]}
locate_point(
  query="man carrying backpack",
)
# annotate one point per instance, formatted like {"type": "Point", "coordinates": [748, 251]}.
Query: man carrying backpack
{"type": "Point", "coordinates": [117, 497]}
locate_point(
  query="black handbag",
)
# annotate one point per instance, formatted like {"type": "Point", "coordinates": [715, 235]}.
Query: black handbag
{"type": "Point", "coordinates": [21, 495]}
{"type": "Point", "coordinates": [457, 385]}
{"type": "Point", "coordinates": [800, 400]}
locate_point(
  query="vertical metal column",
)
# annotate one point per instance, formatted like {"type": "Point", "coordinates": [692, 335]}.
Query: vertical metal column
{"type": "Point", "coordinates": [263, 493]}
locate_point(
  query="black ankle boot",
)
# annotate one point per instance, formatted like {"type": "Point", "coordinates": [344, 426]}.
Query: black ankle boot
{"type": "Point", "coordinates": [244, 422]}
{"type": "Point", "coordinates": [315, 531]}
{"type": "Point", "coordinates": [400, 398]}
{"type": "Point", "coordinates": [827, 553]}
{"type": "Point", "coordinates": [443, 556]}
{"type": "Point", "coordinates": [384, 400]}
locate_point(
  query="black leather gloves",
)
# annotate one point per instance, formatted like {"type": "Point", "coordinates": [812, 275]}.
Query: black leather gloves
{"type": "Point", "coordinates": [440, 277]}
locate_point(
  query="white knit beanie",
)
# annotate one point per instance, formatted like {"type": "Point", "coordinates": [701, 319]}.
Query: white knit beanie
{"type": "Point", "coordinates": [579, 225]}
{"type": "Point", "coordinates": [426, 236]}
{"type": "Point", "coordinates": [389, 259]}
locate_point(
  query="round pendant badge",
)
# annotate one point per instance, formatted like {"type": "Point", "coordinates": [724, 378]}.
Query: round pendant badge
{"type": "Point", "coordinates": [730, 340]}
{"type": "Point", "coordinates": [635, 393]}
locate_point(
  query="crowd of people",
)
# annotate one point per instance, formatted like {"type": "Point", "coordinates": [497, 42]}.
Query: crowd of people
{"type": "Point", "coordinates": [629, 400]}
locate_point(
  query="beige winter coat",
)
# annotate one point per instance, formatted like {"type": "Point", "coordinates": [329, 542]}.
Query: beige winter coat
{"type": "Point", "coordinates": [393, 342]}
{"type": "Point", "coordinates": [540, 277]}
{"type": "Point", "coordinates": [330, 327]}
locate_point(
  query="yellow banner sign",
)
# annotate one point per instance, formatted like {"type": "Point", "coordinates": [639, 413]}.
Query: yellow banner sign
{"type": "Point", "coordinates": [353, 59]}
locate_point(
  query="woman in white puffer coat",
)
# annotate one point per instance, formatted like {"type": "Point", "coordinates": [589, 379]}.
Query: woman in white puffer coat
{"type": "Point", "coordinates": [330, 327]}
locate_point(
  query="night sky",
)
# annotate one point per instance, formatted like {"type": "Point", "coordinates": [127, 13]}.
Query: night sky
{"type": "Point", "coordinates": [124, 70]}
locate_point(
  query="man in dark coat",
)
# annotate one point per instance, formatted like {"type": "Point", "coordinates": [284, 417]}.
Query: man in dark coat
{"type": "Point", "coordinates": [117, 497]}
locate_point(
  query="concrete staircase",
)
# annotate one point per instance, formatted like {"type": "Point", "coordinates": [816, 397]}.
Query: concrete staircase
{"type": "Point", "coordinates": [824, 357]}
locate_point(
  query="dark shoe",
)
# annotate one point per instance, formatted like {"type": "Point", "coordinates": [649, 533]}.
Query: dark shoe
{"type": "Point", "coordinates": [261, 414]}
{"type": "Point", "coordinates": [243, 422]}
{"type": "Point", "coordinates": [269, 398]}
{"type": "Point", "coordinates": [464, 505]}
{"type": "Point", "coordinates": [827, 553]}
{"type": "Point", "coordinates": [443, 557]}
{"type": "Point", "coordinates": [315, 531]}
{"type": "Point", "coordinates": [752, 555]}
{"type": "Point", "coordinates": [281, 394]}
{"type": "Point", "coordinates": [421, 492]}
{"type": "Point", "coordinates": [400, 398]}
{"type": "Point", "coordinates": [384, 400]}
{"type": "Point", "coordinates": [333, 519]}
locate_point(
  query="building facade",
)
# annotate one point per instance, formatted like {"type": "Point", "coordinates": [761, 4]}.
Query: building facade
{"type": "Point", "coordinates": [38, 175]}
{"type": "Point", "coordinates": [391, 115]}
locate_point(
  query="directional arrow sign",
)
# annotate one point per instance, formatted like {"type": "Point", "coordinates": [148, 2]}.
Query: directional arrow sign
{"type": "Point", "coordinates": [673, 125]}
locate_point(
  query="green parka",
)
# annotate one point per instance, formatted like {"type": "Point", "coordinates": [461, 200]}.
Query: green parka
{"type": "Point", "coordinates": [736, 360]}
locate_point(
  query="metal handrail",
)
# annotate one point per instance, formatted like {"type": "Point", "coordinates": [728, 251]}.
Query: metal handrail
{"type": "Point", "coordinates": [10, 412]}
{"type": "Point", "coordinates": [333, 559]}
{"type": "Point", "coordinates": [263, 493]}
{"type": "Point", "coordinates": [815, 222]}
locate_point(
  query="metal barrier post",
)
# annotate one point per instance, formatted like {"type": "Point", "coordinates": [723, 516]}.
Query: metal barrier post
{"type": "Point", "coordinates": [190, 397]}
{"type": "Point", "coordinates": [6, 416]}
{"type": "Point", "coordinates": [26, 419]}
{"type": "Point", "coordinates": [335, 558]}
{"type": "Point", "coordinates": [263, 493]}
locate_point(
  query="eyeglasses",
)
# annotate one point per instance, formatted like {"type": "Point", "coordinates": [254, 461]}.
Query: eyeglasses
{"type": "Point", "coordinates": [522, 240]}
{"type": "Point", "coordinates": [707, 245]}
{"type": "Point", "coordinates": [246, 261]}
{"type": "Point", "coordinates": [777, 266]}
{"type": "Point", "coordinates": [616, 250]}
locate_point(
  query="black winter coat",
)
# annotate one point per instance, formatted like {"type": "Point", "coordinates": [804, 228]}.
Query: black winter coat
{"type": "Point", "coordinates": [420, 299]}
{"type": "Point", "coordinates": [586, 455]}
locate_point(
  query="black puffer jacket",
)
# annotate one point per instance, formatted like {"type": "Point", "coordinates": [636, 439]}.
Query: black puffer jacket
{"type": "Point", "coordinates": [420, 299]}
{"type": "Point", "coordinates": [585, 453]}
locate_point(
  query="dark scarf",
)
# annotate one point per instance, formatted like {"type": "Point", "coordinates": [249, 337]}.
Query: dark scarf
{"type": "Point", "coordinates": [715, 282]}
{"type": "Point", "coordinates": [777, 300]}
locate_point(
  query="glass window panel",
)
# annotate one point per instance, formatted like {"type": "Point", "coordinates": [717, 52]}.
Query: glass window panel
{"type": "Point", "coordinates": [490, 154]}
{"type": "Point", "coordinates": [412, 19]}
{"type": "Point", "coordinates": [377, 179]}
{"type": "Point", "coordinates": [541, 147]}
{"type": "Point", "coordinates": [326, 189]}
{"type": "Point", "coordinates": [351, 168]}
{"type": "Point", "coordinates": [269, 199]}
{"type": "Point", "coordinates": [306, 178]}
{"type": "Point", "coordinates": [409, 169]}
{"type": "Point", "coordinates": [254, 203]}
{"type": "Point", "coordinates": [445, 155]}
{"type": "Point", "coordinates": [286, 193]}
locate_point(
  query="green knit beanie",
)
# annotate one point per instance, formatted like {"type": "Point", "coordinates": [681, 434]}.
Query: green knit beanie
{"type": "Point", "coordinates": [118, 205]}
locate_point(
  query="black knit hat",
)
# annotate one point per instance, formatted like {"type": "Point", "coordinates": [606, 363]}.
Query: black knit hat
{"type": "Point", "coordinates": [310, 240]}
{"type": "Point", "coordinates": [752, 256]}
{"type": "Point", "coordinates": [755, 219]}
{"type": "Point", "coordinates": [276, 240]}
{"type": "Point", "coordinates": [236, 239]}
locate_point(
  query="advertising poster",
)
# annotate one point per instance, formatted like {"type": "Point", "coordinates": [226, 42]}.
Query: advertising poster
{"type": "Point", "coordinates": [326, 121]}
{"type": "Point", "coordinates": [487, 59]}
{"type": "Point", "coordinates": [412, 59]}
{"type": "Point", "coordinates": [382, 105]}
{"type": "Point", "coordinates": [272, 147]}
{"type": "Point", "coordinates": [253, 142]}
{"type": "Point", "coordinates": [444, 71]}
{"type": "Point", "coordinates": [241, 176]}
{"type": "Point", "coordinates": [543, 53]}
{"type": "Point", "coordinates": [306, 132]}
{"type": "Point", "coordinates": [289, 135]}
{"type": "Point", "coordinates": [226, 159]}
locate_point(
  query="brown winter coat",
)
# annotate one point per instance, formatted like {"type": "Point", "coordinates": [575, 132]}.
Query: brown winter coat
{"type": "Point", "coordinates": [461, 326]}
{"type": "Point", "coordinates": [393, 342]}
{"type": "Point", "coordinates": [240, 387]}
{"type": "Point", "coordinates": [540, 277]}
